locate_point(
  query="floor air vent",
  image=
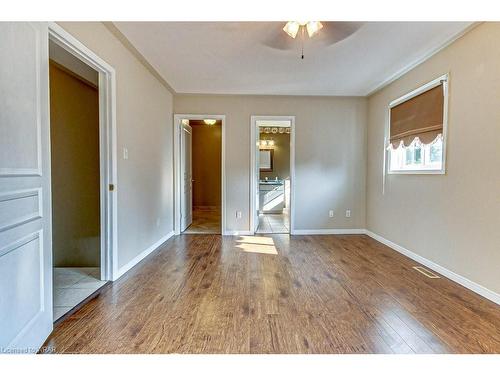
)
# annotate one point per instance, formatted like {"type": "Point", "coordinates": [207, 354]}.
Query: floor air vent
{"type": "Point", "coordinates": [426, 272]}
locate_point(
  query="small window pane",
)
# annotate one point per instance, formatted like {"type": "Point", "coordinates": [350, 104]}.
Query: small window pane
{"type": "Point", "coordinates": [437, 152]}
{"type": "Point", "coordinates": [418, 156]}
{"type": "Point", "coordinates": [409, 156]}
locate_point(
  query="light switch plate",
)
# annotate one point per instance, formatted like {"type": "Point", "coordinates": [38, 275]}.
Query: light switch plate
{"type": "Point", "coordinates": [125, 153]}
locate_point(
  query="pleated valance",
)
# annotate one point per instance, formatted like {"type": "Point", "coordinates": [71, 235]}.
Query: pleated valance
{"type": "Point", "coordinates": [420, 116]}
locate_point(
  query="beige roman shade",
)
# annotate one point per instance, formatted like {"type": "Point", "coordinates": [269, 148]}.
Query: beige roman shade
{"type": "Point", "coordinates": [420, 116]}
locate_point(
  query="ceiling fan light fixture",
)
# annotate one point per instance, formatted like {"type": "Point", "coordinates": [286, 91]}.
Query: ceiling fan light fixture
{"type": "Point", "coordinates": [292, 28]}
{"type": "Point", "coordinates": [313, 27]}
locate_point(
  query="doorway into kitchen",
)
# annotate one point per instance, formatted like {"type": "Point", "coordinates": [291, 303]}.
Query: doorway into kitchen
{"type": "Point", "coordinates": [272, 174]}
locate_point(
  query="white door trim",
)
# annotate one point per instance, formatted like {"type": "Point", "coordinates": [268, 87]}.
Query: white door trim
{"type": "Point", "coordinates": [254, 138]}
{"type": "Point", "coordinates": [177, 176]}
{"type": "Point", "coordinates": [107, 146]}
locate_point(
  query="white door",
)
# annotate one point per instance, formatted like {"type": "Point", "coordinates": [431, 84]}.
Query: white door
{"type": "Point", "coordinates": [186, 178]}
{"type": "Point", "coordinates": [25, 207]}
{"type": "Point", "coordinates": [257, 180]}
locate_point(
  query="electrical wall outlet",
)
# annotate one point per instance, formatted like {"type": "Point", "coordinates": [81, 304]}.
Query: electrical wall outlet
{"type": "Point", "coordinates": [347, 213]}
{"type": "Point", "coordinates": [330, 213]}
{"type": "Point", "coordinates": [238, 214]}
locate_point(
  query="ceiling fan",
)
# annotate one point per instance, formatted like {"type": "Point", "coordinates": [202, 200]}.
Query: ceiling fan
{"type": "Point", "coordinates": [327, 33]}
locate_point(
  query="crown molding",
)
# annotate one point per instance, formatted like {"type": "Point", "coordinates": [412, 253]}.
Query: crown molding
{"type": "Point", "coordinates": [419, 61]}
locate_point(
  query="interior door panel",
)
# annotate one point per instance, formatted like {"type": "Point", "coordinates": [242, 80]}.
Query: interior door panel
{"type": "Point", "coordinates": [25, 223]}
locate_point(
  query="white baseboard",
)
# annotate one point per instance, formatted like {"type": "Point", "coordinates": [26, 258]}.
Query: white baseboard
{"type": "Point", "coordinates": [328, 231]}
{"type": "Point", "coordinates": [141, 256]}
{"type": "Point", "coordinates": [471, 285]}
{"type": "Point", "coordinates": [300, 232]}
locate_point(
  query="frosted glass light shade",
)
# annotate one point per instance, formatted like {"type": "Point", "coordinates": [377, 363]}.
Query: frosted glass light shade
{"type": "Point", "coordinates": [313, 27]}
{"type": "Point", "coordinates": [292, 28]}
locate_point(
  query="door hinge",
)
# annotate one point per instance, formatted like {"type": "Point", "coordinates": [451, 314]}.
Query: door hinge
{"type": "Point", "coordinates": [111, 187]}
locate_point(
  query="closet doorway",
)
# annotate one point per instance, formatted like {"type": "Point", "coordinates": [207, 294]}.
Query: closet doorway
{"type": "Point", "coordinates": [83, 171]}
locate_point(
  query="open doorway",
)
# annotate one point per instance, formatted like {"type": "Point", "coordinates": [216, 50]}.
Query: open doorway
{"type": "Point", "coordinates": [199, 174]}
{"type": "Point", "coordinates": [272, 174]}
{"type": "Point", "coordinates": [81, 208]}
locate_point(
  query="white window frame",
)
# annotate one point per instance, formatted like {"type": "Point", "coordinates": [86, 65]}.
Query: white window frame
{"type": "Point", "coordinates": [444, 80]}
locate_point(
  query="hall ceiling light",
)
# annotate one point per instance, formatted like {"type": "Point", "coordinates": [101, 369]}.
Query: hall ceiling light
{"type": "Point", "coordinates": [209, 121]}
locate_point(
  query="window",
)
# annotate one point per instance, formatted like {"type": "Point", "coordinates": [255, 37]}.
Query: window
{"type": "Point", "coordinates": [418, 156]}
{"type": "Point", "coordinates": [417, 130]}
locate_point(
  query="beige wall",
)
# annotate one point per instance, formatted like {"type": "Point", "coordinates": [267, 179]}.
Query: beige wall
{"type": "Point", "coordinates": [330, 154]}
{"type": "Point", "coordinates": [144, 126]}
{"type": "Point", "coordinates": [281, 158]}
{"type": "Point", "coordinates": [74, 130]}
{"type": "Point", "coordinates": [207, 153]}
{"type": "Point", "coordinates": [452, 220]}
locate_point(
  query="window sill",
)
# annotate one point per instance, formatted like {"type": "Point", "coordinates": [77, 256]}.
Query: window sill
{"type": "Point", "coordinates": [419, 171]}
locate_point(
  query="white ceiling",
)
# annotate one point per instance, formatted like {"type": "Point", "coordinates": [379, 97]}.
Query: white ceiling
{"type": "Point", "coordinates": [235, 57]}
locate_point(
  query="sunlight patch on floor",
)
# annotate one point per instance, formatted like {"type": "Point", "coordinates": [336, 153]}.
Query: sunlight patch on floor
{"type": "Point", "coordinates": [255, 244]}
{"type": "Point", "coordinates": [256, 240]}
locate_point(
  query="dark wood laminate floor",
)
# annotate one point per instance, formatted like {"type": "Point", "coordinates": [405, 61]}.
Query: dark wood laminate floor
{"type": "Point", "coordinates": [317, 294]}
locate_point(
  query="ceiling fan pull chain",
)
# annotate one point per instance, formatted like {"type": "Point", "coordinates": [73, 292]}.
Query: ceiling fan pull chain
{"type": "Point", "coordinates": [303, 31]}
